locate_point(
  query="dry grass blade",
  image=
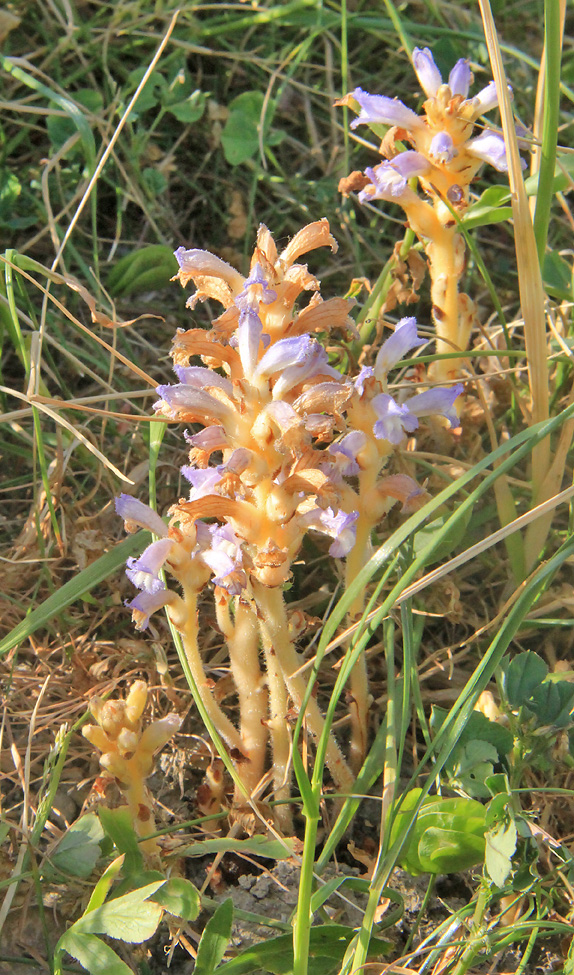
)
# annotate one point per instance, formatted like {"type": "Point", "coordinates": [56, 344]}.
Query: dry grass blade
{"type": "Point", "coordinates": [532, 295]}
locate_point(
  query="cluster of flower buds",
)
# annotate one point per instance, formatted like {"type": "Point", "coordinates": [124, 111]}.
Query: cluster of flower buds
{"type": "Point", "coordinates": [288, 446]}
{"type": "Point", "coordinates": [128, 751]}
{"type": "Point", "coordinates": [445, 157]}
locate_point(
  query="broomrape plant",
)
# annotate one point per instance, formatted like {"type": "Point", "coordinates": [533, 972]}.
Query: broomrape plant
{"type": "Point", "coordinates": [288, 446]}
{"type": "Point", "coordinates": [445, 157]}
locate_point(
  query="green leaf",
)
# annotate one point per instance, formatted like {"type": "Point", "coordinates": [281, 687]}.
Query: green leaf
{"type": "Point", "coordinates": [146, 269]}
{"type": "Point", "coordinates": [191, 109]}
{"type": "Point", "coordinates": [500, 848]}
{"type": "Point", "coordinates": [557, 276]}
{"type": "Point", "coordinates": [240, 136]}
{"type": "Point", "coordinates": [449, 850]}
{"type": "Point", "coordinates": [472, 765]}
{"type": "Point", "coordinates": [151, 94]}
{"type": "Point", "coordinates": [79, 849]}
{"type": "Point", "coordinates": [60, 128]}
{"type": "Point", "coordinates": [119, 826]}
{"type": "Point", "coordinates": [257, 845]}
{"type": "Point", "coordinates": [154, 180]}
{"type": "Point", "coordinates": [521, 676]}
{"type": "Point", "coordinates": [132, 918]}
{"type": "Point", "coordinates": [94, 955]}
{"type": "Point", "coordinates": [180, 897]}
{"type": "Point", "coordinates": [214, 939]}
{"type": "Point", "coordinates": [102, 888]}
{"type": "Point", "coordinates": [447, 834]}
{"type": "Point", "coordinates": [478, 727]}
{"type": "Point", "coordinates": [552, 703]}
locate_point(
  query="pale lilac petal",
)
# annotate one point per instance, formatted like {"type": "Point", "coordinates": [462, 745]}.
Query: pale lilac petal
{"type": "Point", "coordinates": [403, 339]}
{"type": "Point", "coordinates": [225, 559]}
{"type": "Point", "coordinates": [203, 482]}
{"type": "Point", "coordinates": [316, 364]}
{"type": "Point", "coordinates": [386, 184]}
{"type": "Point", "coordinates": [427, 72]}
{"type": "Point", "coordinates": [490, 148]}
{"type": "Point", "coordinates": [338, 525]}
{"type": "Point", "coordinates": [255, 289]}
{"type": "Point", "coordinates": [389, 180]}
{"type": "Point", "coordinates": [378, 109]}
{"type": "Point", "coordinates": [201, 377]}
{"type": "Point", "coordinates": [143, 572]}
{"type": "Point", "coordinates": [436, 401]}
{"type": "Point", "coordinates": [297, 359]}
{"type": "Point", "coordinates": [442, 148]}
{"type": "Point", "coordinates": [460, 78]}
{"type": "Point", "coordinates": [410, 163]}
{"type": "Point", "coordinates": [486, 99]}
{"type": "Point", "coordinates": [345, 452]}
{"type": "Point", "coordinates": [248, 336]}
{"type": "Point", "coordinates": [367, 372]}
{"type": "Point", "coordinates": [283, 354]}
{"type": "Point", "coordinates": [394, 420]}
{"type": "Point", "coordinates": [146, 603]}
{"type": "Point", "coordinates": [198, 262]}
{"type": "Point", "coordinates": [181, 397]}
{"type": "Point", "coordinates": [212, 438]}
{"type": "Point", "coordinates": [137, 513]}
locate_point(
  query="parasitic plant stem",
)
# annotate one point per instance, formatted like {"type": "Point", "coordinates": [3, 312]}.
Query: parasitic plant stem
{"type": "Point", "coordinates": [276, 628]}
{"type": "Point", "coordinates": [243, 645]}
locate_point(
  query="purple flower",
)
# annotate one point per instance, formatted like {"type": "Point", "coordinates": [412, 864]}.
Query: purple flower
{"type": "Point", "coordinates": [181, 398]}
{"type": "Point", "coordinates": [437, 401]}
{"type": "Point", "coordinates": [297, 359]}
{"type": "Point", "coordinates": [143, 572]}
{"type": "Point", "coordinates": [426, 70]}
{"type": "Point", "coordinates": [367, 372]}
{"type": "Point", "coordinates": [460, 78]}
{"type": "Point", "coordinates": [486, 99]}
{"type": "Point", "coordinates": [337, 525]}
{"type": "Point", "coordinates": [248, 336]}
{"type": "Point", "coordinates": [137, 513]}
{"type": "Point", "coordinates": [403, 339]}
{"type": "Point", "coordinates": [490, 147]}
{"type": "Point", "coordinates": [197, 263]}
{"type": "Point", "coordinates": [212, 438]}
{"type": "Point", "coordinates": [200, 377]}
{"type": "Point", "coordinates": [442, 148]}
{"type": "Point", "coordinates": [225, 559]}
{"type": "Point", "coordinates": [394, 420]}
{"type": "Point", "coordinates": [389, 180]}
{"type": "Point", "coordinates": [203, 482]}
{"type": "Point", "coordinates": [255, 289]}
{"type": "Point", "coordinates": [378, 109]}
{"type": "Point", "coordinates": [146, 603]}
{"type": "Point", "coordinates": [345, 452]}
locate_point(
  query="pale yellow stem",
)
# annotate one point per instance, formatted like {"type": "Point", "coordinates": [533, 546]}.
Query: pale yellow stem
{"type": "Point", "coordinates": [243, 644]}
{"type": "Point", "coordinates": [273, 621]}
{"type": "Point", "coordinates": [451, 311]}
{"type": "Point", "coordinates": [189, 635]}
{"type": "Point", "coordinates": [444, 273]}
{"type": "Point", "coordinates": [279, 732]}
{"type": "Point", "coordinates": [141, 809]}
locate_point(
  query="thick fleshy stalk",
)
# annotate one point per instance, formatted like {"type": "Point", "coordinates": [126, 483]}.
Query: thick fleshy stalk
{"type": "Point", "coordinates": [275, 627]}
{"type": "Point", "coordinates": [242, 638]}
{"type": "Point", "coordinates": [189, 629]}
